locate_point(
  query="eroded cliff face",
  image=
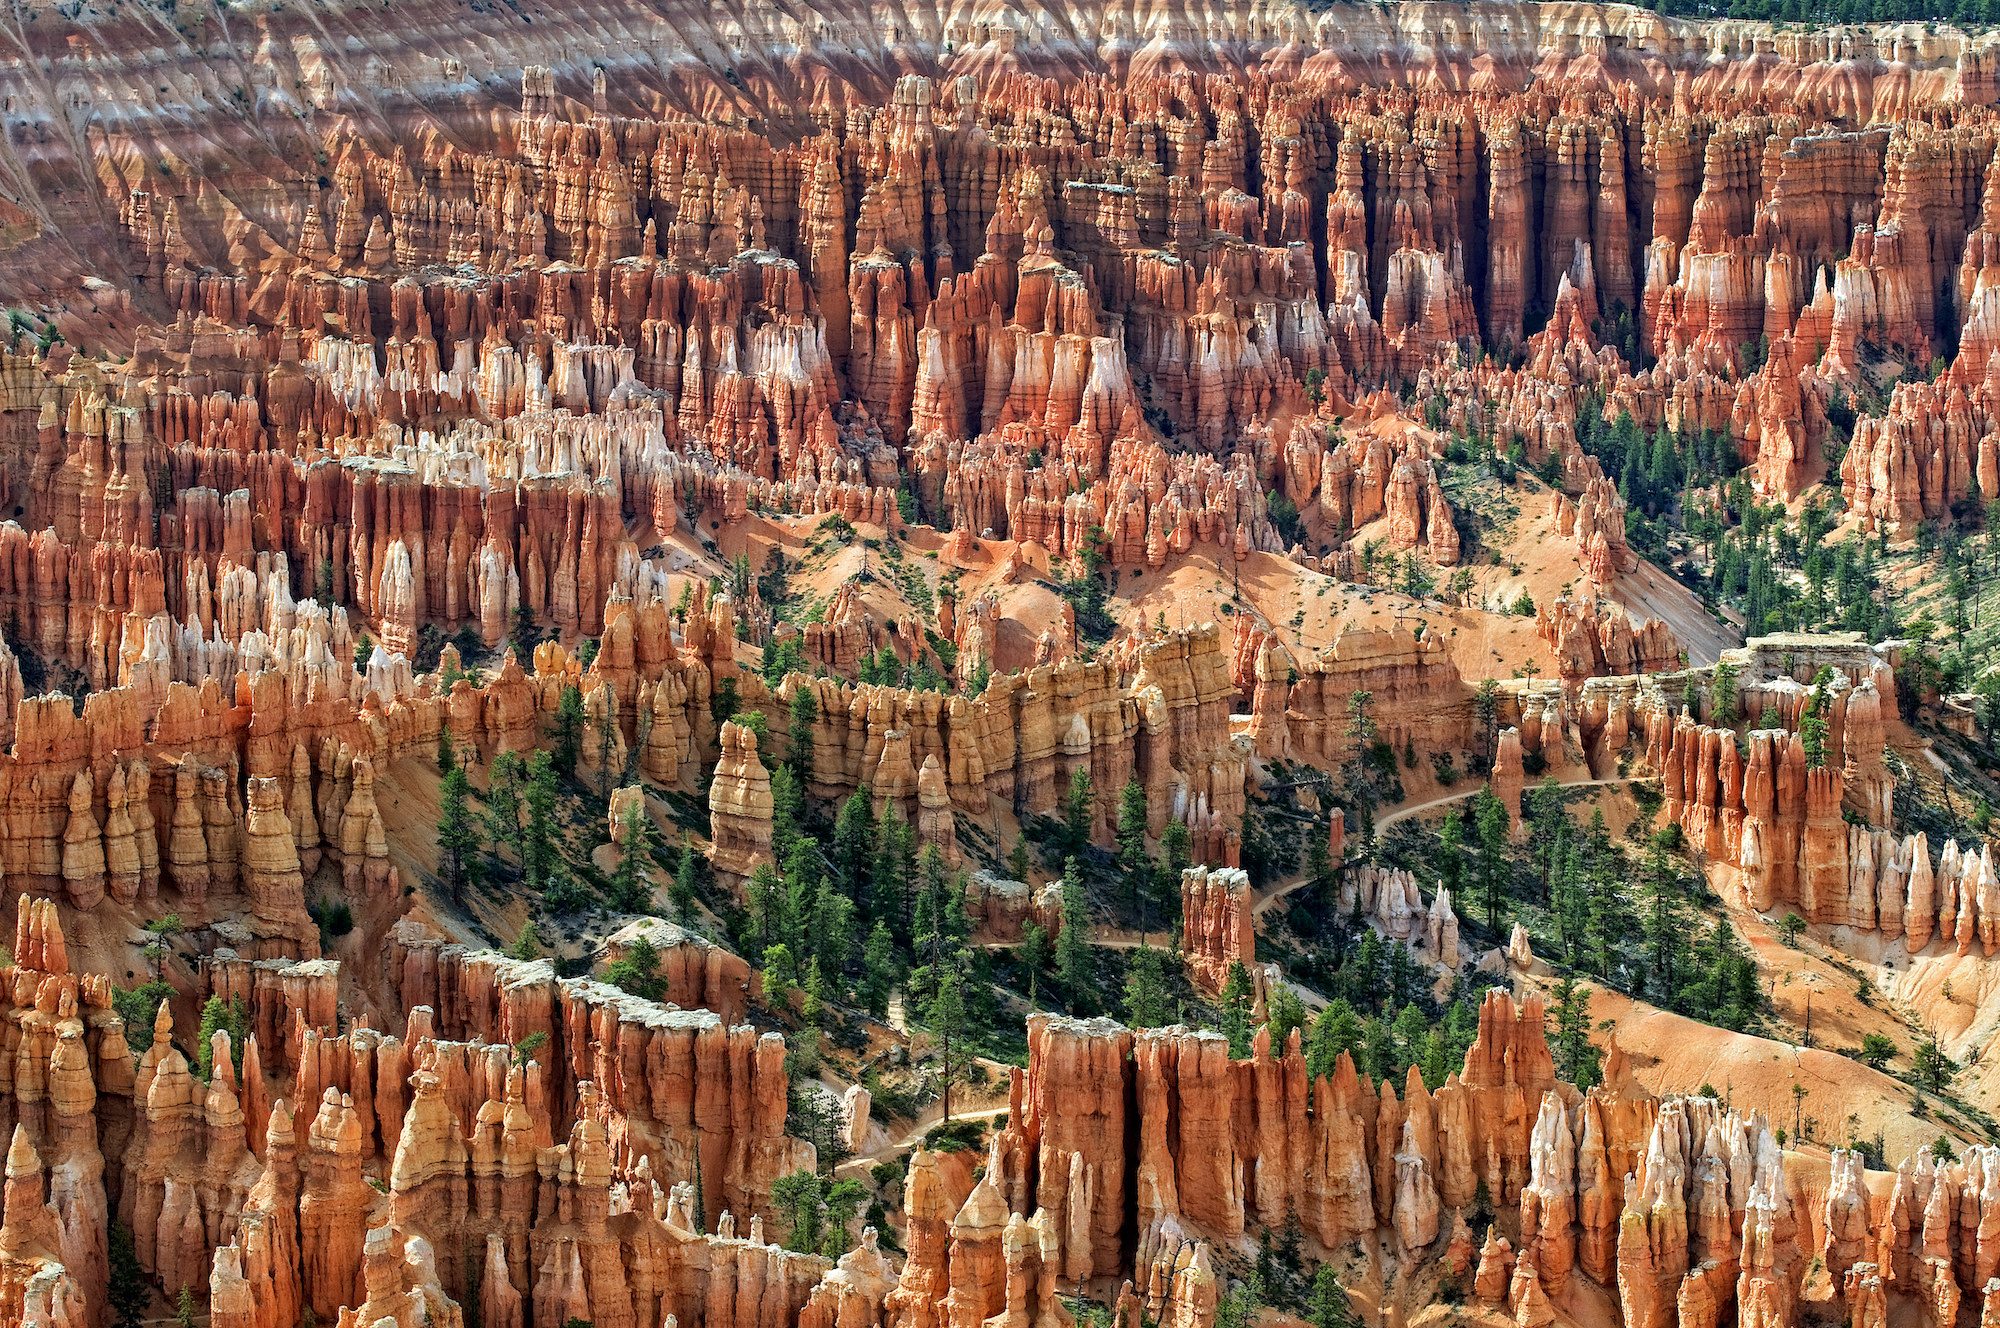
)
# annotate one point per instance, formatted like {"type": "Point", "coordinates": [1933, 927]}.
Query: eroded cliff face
{"type": "Point", "coordinates": [1141, 1154]}
{"type": "Point", "coordinates": [482, 323]}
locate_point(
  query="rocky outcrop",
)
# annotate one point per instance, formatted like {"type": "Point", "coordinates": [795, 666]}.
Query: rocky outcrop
{"type": "Point", "coordinates": [1762, 802]}
{"type": "Point", "coordinates": [739, 807]}
{"type": "Point", "coordinates": [1593, 638]}
{"type": "Point", "coordinates": [1156, 710]}
{"type": "Point", "coordinates": [1217, 927]}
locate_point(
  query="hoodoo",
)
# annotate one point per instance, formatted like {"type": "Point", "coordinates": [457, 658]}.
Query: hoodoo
{"type": "Point", "coordinates": [671, 667]}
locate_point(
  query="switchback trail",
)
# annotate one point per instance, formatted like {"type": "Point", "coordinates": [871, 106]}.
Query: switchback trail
{"type": "Point", "coordinates": [1401, 813]}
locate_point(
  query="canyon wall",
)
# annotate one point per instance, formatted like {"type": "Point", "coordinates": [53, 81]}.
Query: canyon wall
{"type": "Point", "coordinates": [1137, 1155]}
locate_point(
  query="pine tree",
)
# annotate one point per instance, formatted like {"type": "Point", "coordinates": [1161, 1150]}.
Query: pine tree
{"type": "Point", "coordinates": [788, 806]}
{"type": "Point", "coordinates": [812, 990]}
{"type": "Point", "coordinates": [503, 801]}
{"type": "Point", "coordinates": [1287, 1012]}
{"type": "Point", "coordinates": [1547, 821]}
{"type": "Point", "coordinates": [854, 843]}
{"type": "Point", "coordinates": [1490, 815]}
{"type": "Point", "coordinates": [1237, 993]}
{"type": "Point", "coordinates": [568, 731]}
{"type": "Point", "coordinates": [638, 973]}
{"type": "Point", "coordinates": [1073, 966]}
{"type": "Point", "coordinates": [538, 849]}
{"type": "Point", "coordinates": [935, 925]}
{"type": "Point", "coordinates": [1336, 1030]}
{"type": "Point", "coordinates": [1486, 713]}
{"type": "Point", "coordinates": [832, 925]}
{"type": "Point", "coordinates": [1034, 952]}
{"type": "Point", "coordinates": [878, 970]}
{"type": "Point", "coordinates": [1451, 837]}
{"type": "Point", "coordinates": [457, 838]}
{"type": "Point", "coordinates": [771, 921]}
{"type": "Point", "coordinates": [606, 724]}
{"type": "Point", "coordinates": [1666, 923]}
{"type": "Point", "coordinates": [1328, 1306]}
{"type": "Point", "coordinates": [223, 1016]}
{"type": "Point", "coordinates": [447, 754]}
{"type": "Point", "coordinates": [1017, 859]}
{"type": "Point", "coordinates": [126, 1289]}
{"type": "Point", "coordinates": [527, 634]}
{"type": "Point", "coordinates": [1577, 1057]}
{"type": "Point", "coordinates": [1176, 855]}
{"type": "Point", "coordinates": [1319, 861]}
{"type": "Point", "coordinates": [895, 872]}
{"type": "Point", "coordinates": [1079, 813]}
{"type": "Point", "coordinates": [799, 754]}
{"type": "Point", "coordinates": [1146, 989]}
{"type": "Point", "coordinates": [631, 890]}
{"type": "Point", "coordinates": [682, 891]}
{"type": "Point", "coordinates": [944, 1016]}
{"type": "Point", "coordinates": [781, 972]}
{"type": "Point", "coordinates": [1135, 865]}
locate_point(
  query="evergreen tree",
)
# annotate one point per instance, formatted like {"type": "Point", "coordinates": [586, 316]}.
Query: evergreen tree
{"type": "Point", "coordinates": [1176, 855]}
{"type": "Point", "coordinates": [1034, 951]}
{"type": "Point", "coordinates": [1017, 859]}
{"type": "Point", "coordinates": [222, 1016]}
{"type": "Point", "coordinates": [1723, 707]}
{"type": "Point", "coordinates": [567, 734]}
{"type": "Point", "coordinates": [805, 714]}
{"type": "Point", "coordinates": [503, 800]}
{"type": "Point", "coordinates": [854, 842]}
{"type": "Point", "coordinates": [788, 806]}
{"type": "Point", "coordinates": [894, 874]}
{"type": "Point", "coordinates": [1490, 816]}
{"type": "Point", "coordinates": [1813, 724]}
{"type": "Point", "coordinates": [831, 932]}
{"type": "Point", "coordinates": [1547, 821]}
{"type": "Point", "coordinates": [939, 925]}
{"type": "Point", "coordinates": [781, 975]}
{"type": "Point", "coordinates": [126, 1289]}
{"type": "Point", "coordinates": [527, 635]}
{"type": "Point", "coordinates": [771, 920]}
{"type": "Point", "coordinates": [1079, 813]}
{"type": "Point", "coordinates": [1666, 923]}
{"type": "Point", "coordinates": [1073, 966]}
{"type": "Point", "coordinates": [1336, 1030]}
{"type": "Point", "coordinates": [1486, 712]}
{"type": "Point", "coordinates": [812, 989]}
{"type": "Point", "coordinates": [447, 754]}
{"type": "Point", "coordinates": [1451, 837]}
{"type": "Point", "coordinates": [878, 971]}
{"type": "Point", "coordinates": [538, 848]}
{"type": "Point", "coordinates": [944, 1016]}
{"type": "Point", "coordinates": [606, 724]}
{"type": "Point", "coordinates": [457, 837]}
{"type": "Point", "coordinates": [1135, 865]}
{"type": "Point", "coordinates": [1146, 989]}
{"type": "Point", "coordinates": [1577, 1058]}
{"type": "Point", "coordinates": [1237, 994]}
{"type": "Point", "coordinates": [1320, 867]}
{"type": "Point", "coordinates": [1287, 1012]}
{"type": "Point", "coordinates": [682, 891]}
{"type": "Point", "coordinates": [817, 1210]}
{"type": "Point", "coordinates": [631, 889]}
{"type": "Point", "coordinates": [638, 973]}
